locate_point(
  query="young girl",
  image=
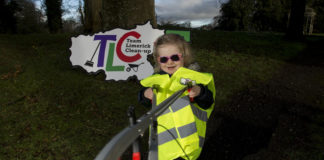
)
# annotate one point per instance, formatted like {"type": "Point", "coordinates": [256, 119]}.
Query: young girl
{"type": "Point", "coordinates": [181, 129]}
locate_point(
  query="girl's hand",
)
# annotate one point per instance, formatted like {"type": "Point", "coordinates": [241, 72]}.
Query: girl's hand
{"type": "Point", "coordinates": [195, 91]}
{"type": "Point", "coordinates": [148, 93]}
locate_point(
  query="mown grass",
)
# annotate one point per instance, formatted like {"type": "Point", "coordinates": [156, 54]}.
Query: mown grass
{"type": "Point", "coordinates": [270, 45]}
{"type": "Point", "coordinates": [50, 110]}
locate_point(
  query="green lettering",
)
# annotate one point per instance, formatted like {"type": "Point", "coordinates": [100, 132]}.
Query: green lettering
{"type": "Point", "coordinates": [110, 60]}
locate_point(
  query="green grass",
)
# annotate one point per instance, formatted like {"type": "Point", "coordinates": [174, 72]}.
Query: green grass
{"type": "Point", "coordinates": [270, 45]}
{"type": "Point", "coordinates": [233, 71]}
{"type": "Point", "coordinates": [50, 110]}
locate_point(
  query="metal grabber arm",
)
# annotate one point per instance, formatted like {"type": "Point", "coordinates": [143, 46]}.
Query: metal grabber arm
{"type": "Point", "coordinates": [136, 144]}
{"type": "Point", "coordinates": [119, 143]}
{"type": "Point", "coordinates": [153, 139]}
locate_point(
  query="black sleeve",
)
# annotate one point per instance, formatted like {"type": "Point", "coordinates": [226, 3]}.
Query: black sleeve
{"type": "Point", "coordinates": [205, 98]}
{"type": "Point", "coordinates": [142, 99]}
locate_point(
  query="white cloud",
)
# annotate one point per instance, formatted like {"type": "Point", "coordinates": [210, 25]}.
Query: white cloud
{"type": "Point", "coordinates": [187, 10]}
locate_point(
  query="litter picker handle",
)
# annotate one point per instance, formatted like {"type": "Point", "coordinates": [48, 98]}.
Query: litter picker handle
{"type": "Point", "coordinates": [191, 98]}
{"type": "Point", "coordinates": [189, 83]}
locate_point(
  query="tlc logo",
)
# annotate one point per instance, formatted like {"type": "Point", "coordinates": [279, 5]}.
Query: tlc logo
{"type": "Point", "coordinates": [110, 58]}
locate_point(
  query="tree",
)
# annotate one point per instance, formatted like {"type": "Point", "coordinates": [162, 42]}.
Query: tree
{"type": "Point", "coordinates": [8, 20]}
{"type": "Point", "coordinates": [109, 14]}
{"type": "Point", "coordinates": [29, 18]}
{"type": "Point", "coordinates": [271, 15]}
{"type": "Point", "coordinates": [54, 15]}
{"type": "Point", "coordinates": [318, 6]}
{"type": "Point", "coordinates": [260, 15]}
{"type": "Point", "coordinates": [81, 14]}
{"type": "Point", "coordinates": [296, 20]}
{"type": "Point", "coordinates": [236, 15]}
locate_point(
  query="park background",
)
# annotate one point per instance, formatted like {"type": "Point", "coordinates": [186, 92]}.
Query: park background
{"type": "Point", "coordinates": [266, 57]}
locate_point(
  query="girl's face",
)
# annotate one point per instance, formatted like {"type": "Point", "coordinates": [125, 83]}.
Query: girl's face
{"type": "Point", "coordinates": [170, 53]}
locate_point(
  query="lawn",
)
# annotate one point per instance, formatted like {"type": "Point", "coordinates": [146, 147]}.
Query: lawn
{"type": "Point", "coordinates": [269, 90]}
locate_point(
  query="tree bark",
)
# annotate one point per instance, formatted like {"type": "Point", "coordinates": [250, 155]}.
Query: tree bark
{"type": "Point", "coordinates": [296, 20]}
{"type": "Point", "coordinates": [103, 15]}
{"type": "Point", "coordinates": [54, 15]}
{"type": "Point", "coordinates": [93, 12]}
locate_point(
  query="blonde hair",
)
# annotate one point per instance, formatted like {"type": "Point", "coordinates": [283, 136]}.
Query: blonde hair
{"type": "Point", "coordinates": [178, 41]}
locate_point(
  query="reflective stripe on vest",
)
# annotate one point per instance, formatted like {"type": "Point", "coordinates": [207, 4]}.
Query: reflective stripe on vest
{"type": "Point", "coordinates": [186, 130]}
{"type": "Point", "coordinates": [183, 102]}
{"type": "Point", "coordinates": [200, 114]}
{"type": "Point", "coordinates": [167, 136]}
{"type": "Point", "coordinates": [201, 141]}
{"type": "Point", "coordinates": [171, 134]}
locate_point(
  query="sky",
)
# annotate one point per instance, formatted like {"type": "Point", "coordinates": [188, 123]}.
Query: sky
{"type": "Point", "coordinates": [198, 12]}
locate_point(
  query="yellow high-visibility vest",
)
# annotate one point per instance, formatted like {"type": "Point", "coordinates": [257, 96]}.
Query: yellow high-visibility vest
{"type": "Point", "coordinates": [182, 127]}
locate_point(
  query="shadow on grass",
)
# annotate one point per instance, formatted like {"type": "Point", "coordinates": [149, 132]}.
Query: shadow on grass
{"type": "Point", "coordinates": [263, 122]}
{"type": "Point", "coordinates": [313, 54]}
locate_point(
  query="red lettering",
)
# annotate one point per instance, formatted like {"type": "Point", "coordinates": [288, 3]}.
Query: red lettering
{"type": "Point", "coordinates": [121, 55]}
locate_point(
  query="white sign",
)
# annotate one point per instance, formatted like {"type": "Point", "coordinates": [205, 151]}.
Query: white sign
{"type": "Point", "coordinates": [119, 53]}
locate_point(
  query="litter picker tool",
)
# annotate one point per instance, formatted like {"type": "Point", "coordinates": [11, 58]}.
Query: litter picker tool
{"type": "Point", "coordinates": [118, 144]}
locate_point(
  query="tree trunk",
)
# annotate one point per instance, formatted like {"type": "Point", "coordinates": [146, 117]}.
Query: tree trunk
{"type": "Point", "coordinates": [54, 15]}
{"type": "Point", "coordinates": [103, 15]}
{"type": "Point", "coordinates": [296, 20]}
